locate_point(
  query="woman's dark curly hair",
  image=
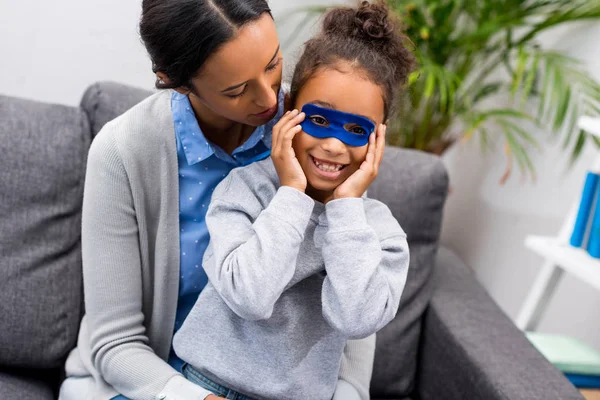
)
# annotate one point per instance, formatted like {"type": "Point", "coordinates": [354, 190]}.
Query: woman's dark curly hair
{"type": "Point", "coordinates": [180, 35]}
{"type": "Point", "coordinates": [367, 37]}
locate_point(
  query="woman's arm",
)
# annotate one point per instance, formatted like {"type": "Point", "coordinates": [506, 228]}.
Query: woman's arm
{"type": "Point", "coordinates": [250, 262]}
{"type": "Point", "coordinates": [366, 270]}
{"type": "Point", "coordinates": [120, 348]}
{"type": "Point", "coordinates": [356, 370]}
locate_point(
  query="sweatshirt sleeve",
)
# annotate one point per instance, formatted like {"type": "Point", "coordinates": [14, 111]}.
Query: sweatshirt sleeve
{"type": "Point", "coordinates": [366, 273]}
{"type": "Point", "coordinates": [120, 349]}
{"type": "Point", "coordinates": [250, 262]}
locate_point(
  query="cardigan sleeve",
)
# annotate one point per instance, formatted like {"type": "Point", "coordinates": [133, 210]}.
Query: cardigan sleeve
{"type": "Point", "coordinates": [112, 274]}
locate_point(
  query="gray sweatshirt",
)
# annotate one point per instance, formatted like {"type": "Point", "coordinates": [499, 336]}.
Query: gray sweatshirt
{"type": "Point", "coordinates": [290, 280]}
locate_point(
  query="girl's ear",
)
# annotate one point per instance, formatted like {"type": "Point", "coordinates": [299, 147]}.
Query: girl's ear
{"type": "Point", "coordinates": [287, 103]}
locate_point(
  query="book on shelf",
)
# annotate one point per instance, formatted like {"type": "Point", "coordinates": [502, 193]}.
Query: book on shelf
{"type": "Point", "coordinates": [577, 360]}
{"type": "Point", "coordinates": [586, 229]}
{"type": "Point", "coordinates": [588, 202]}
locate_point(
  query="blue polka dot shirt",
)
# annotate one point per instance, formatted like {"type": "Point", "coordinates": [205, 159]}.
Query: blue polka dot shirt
{"type": "Point", "coordinates": [202, 166]}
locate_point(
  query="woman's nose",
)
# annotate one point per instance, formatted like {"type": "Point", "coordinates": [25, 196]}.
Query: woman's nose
{"type": "Point", "coordinates": [265, 96]}
{"type": "Point", "coordinates": [333, 146]}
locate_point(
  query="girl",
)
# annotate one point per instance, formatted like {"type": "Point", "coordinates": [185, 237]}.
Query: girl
{"type": "Point", "coordinates": [299, 261]}
{"type": "Point", "coordinates": [149, 179]}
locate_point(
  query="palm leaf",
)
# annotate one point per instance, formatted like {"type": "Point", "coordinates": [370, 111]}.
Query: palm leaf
{"type": "Point", "coordinates": [522, 59]}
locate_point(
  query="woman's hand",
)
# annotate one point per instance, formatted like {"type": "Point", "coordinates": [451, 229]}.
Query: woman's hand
{"type": "Point", "coordinates": [286, 164]}
{"type": "Point", "coordinates": [213, 397]}
{"type": "Point", "coordinates": [359, 181]}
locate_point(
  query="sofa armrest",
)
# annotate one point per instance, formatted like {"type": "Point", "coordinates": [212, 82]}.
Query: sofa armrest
{"type": "Point", "coordinates": [471, 350]}
{"type": "Point", "coordinates": [23, 385]}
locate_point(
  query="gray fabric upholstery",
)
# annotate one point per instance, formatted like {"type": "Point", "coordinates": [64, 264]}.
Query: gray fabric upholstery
{"type": "Point", "coordinates": [471, 350]}
{"type": "Point", "coordinates": [20, 387]}
{"type": "Point", "coordinates": [414, 185]}
{"type": "Point", "coordinates": [104, 101]}
{"type": "Point", "coordinates": [392, 398]}
{"type": "Point", "coordinates": [42, 167]}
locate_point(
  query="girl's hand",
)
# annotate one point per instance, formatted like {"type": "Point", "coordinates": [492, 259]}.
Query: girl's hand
{"type": "Point", "coordinates": [286, 164]}
{"type": "Point", "coordinates": [213, 397]}
{"type": "Point", "coordinates": [358, 182]}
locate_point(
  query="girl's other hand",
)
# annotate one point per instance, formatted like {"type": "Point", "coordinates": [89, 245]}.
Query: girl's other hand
{"type": "Point", "coordinates": [284, 158]}
{"type": "Point", "coordinates": [358, 182]}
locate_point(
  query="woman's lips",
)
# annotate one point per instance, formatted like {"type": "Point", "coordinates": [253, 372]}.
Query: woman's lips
{"type": "Point", "coordinates": [267, 114]}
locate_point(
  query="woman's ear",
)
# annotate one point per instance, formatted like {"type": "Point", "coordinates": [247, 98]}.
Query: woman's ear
{"type": "Point", "coordinates": [162, 78]}
{"type": "Point", "coordinates": [287, 103]}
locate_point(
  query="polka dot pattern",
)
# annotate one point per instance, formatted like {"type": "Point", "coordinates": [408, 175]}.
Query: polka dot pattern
{"type": "Point", "coordinates": [202, 166]}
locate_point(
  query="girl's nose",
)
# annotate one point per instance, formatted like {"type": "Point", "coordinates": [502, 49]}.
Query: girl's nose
{"type": "Point", "coordinates": [333, 146]}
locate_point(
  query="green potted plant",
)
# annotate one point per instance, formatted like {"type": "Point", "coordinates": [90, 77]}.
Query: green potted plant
{"type": "Point", "coordinates": [470, 52]}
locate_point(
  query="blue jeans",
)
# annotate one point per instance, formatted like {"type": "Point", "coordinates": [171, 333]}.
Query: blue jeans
{"type": "Point", "coordinates": [196, 377]}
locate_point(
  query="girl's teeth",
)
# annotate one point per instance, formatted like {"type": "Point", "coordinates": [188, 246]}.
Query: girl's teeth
{"type": "Point", "coordinates": [328, 167]}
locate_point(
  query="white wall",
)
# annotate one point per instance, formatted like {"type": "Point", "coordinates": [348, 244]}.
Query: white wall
{"type": "Point", "coordinates": [52, 51]}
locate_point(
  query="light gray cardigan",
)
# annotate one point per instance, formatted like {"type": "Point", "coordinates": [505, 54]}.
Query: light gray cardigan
{"type": "Point", "coordinates": [130, 245]}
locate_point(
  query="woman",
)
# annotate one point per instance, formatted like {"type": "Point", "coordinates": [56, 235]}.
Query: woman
{"type": "Point", "coordinates": [150, 176]}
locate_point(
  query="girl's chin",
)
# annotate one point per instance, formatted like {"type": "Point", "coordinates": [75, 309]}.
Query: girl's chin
{"type": "Point", "coordinates": [320, 191]}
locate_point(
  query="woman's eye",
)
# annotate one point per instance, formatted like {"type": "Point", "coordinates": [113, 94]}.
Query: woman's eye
{"type": "Point", "coordinates": [318, 120]}
{"type": "Point", "coordinates": [235, 96]}
{"type": "Point", "coordinates": [273, 66]}
{"type": "Point", "coordinates": [359, 130]}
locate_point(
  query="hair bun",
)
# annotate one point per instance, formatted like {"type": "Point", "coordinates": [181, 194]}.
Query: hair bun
{"type": "Point", "coordinates": [369, 22]}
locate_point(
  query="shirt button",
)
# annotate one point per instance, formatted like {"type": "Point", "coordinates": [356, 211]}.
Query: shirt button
{"type": "Point", "coordinates": [161, 396]}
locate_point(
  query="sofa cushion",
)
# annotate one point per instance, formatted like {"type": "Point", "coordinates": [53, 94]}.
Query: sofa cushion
{"type": "Point", "coordinates": [105, 101]}
{"type": "Point", "coordinates": [21, 387]}
{"type": "Point", "coordinates": [44, 149]}
{"type": "Point", "coordinates": [414, 186]}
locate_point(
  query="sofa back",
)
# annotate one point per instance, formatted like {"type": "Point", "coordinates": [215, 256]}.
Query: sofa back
{"type": "Point", "coordinates": [413, 185]}
{"type": "Point", "coordinates": [105, 101]}
{"type": "Point", "coordinates": [43, 151]}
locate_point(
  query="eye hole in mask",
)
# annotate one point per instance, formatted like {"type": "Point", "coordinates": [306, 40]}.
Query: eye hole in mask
{"type": "Point", "coordinates": [356, 129]}
{"type": "Point", "coordinates": [319, 120]}
{"type": "Point", "coordinates": [351, 129]}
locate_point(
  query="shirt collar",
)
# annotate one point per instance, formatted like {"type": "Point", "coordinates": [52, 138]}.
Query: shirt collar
{"type": "Point", "coordinates": [195, 145]}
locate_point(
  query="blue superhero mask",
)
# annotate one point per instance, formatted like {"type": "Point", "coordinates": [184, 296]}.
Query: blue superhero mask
{"type": "Point", "coordinates": [322, 123]}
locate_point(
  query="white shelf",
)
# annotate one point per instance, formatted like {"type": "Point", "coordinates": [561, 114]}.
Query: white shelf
{"type": "Point", "coordinates": [590, 125]}
{"type": "Point", "coordinates": [571, 259]}
{"type": "Point", "coordinates": [559, 256]}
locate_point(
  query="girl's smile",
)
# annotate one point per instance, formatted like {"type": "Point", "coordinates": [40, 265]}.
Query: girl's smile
{"type": "Point", "coordinates": [328, 162]}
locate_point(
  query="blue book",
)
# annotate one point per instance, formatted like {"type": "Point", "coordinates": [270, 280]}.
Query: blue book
{"type": "Point", "coordinates": [590, 189]}
{"type": "Point", "coordinates": [584, 381]}
{"type": "Point", "coordinates": [593, 246]}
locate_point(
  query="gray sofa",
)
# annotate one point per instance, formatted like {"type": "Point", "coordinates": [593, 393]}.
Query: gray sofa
{"type": "Point", "coordinates": [448, 341]}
